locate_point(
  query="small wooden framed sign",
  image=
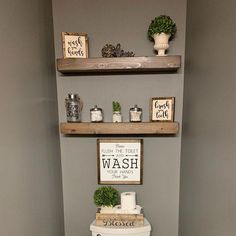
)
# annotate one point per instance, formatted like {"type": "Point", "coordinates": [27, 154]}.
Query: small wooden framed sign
{"type": "Point", "coordinates": [120, 161]}
{"type": "Point", "coordinates": [75, 45]}
{"type": "Point", "coordinates": [162, 109]}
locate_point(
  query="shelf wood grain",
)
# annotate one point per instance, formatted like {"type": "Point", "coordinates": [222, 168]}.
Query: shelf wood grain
{"type": "Point", "coordinates": [151, 128]}
{"type": "Point", "coordinates": [119, 64]}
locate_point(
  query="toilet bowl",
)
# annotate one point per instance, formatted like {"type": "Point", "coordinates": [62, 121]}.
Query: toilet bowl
{"type": "Point", "coordinates": [111, 231]}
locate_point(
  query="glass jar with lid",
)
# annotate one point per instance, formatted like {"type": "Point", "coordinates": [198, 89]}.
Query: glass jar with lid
{"type": "Point", "coordinates": [96, 114]}
{"type": "Point", "coordinates": [135, 114]}
{"type": "Point", "coordinates": [73, 106]}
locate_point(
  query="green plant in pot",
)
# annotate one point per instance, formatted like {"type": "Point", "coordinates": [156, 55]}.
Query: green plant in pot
{"type": "Point", "coordinates": [161, 30]}
{"type": "Point", "coordinates": [106, 198]}
{"type": "Point", "coordinates": [117, 117]}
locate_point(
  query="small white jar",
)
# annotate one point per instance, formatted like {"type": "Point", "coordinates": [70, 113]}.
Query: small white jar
{"type": "Point", "coordinates": [96, 114]}
{"type": "Point", "coordinates": [135, 114]}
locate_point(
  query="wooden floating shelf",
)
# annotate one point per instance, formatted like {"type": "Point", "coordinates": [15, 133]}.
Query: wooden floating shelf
{"type": "Point", "coordinates": [151, 128]}
{"type": "Point", "coordinates": [119, 64]}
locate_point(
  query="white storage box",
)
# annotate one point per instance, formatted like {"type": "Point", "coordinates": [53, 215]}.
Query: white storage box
{"type": "Point", "coordinates": [125, 231]}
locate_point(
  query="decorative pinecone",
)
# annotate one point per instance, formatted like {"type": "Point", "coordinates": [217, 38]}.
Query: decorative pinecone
{"type": "Point", "coordinates": [108, 50]}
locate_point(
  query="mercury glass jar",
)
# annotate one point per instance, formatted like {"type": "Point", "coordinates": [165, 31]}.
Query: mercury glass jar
{"type": "Point", "coordinates": [96, 114]}
{"type": "Point", "coordinates": [73, 106]}
{"type": "Point", "coordinates": [135, 114]}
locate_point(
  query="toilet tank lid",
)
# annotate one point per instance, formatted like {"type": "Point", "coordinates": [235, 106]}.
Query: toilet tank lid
{"type": "Point", "coordinates": [121, 230]}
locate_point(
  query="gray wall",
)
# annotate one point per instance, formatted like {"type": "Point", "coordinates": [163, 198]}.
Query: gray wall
{"type": "Point", "coordinates": [208, 168]}
{"type": "Point", "coordinates": [30, 178]}
{"type": "Point", "coordinates": [125, 22]}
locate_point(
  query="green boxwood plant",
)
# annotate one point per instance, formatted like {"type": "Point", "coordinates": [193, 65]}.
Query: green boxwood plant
{"type": "Point", "coordinates": [162, 24]}
{"type": "Point", "coordinates": [116, 106]}
{"type": "Point", "coordinates": [106, 196]}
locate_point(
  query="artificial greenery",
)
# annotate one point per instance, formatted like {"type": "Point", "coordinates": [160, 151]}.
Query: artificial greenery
{"type": "Point", "coordinates": [106, 196]}
{"type": "Point", "coordinates": [162, 24]}
{"type": "Point", "coordinates": [116, 106]}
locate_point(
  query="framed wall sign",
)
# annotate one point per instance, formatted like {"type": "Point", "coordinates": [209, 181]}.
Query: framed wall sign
{"type": "Point", "coordinates": [75, 45]}
{"type": "Point", "coordinates": [162, 109]}
{"type": "Point", "coordinates": [120, 161]}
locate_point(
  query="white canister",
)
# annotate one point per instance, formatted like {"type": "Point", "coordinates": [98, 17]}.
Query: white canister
{"type": "Point", "coordinates": [128, 201]}
{"type": "Point", "coordinates": [96, 114]}
{"type": "Point", "coordinates": [135, 114]}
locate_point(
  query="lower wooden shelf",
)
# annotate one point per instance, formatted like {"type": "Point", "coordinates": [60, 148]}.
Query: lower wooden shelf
{"type": "Point", "coordinates": [151, 128]}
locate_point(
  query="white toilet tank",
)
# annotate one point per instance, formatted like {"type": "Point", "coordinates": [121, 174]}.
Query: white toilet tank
{"type": "Point", "coordinates": [111, 231]}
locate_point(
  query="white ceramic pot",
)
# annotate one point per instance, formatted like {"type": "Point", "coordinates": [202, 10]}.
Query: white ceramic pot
{"type": "Point", "coordinates": [161, 43]}
{"type": "Point", "coordinates": [117, 117]}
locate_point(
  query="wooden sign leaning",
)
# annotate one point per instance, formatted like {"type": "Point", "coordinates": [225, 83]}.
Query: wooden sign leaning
{"type": "Point", "coordinates": [162, 109]}
{"type": "Point", "coordinates": [74, 45]}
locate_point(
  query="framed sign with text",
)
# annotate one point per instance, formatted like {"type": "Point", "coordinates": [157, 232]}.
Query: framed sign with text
{"type": "Point", "coordinates": [75, 45]}
{"type": "Point", "coordinates": [162, 109]}
{"type": "Point", "coordinates": [120, 161]}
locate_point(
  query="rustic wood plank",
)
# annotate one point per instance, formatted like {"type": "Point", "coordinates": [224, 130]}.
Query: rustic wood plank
{"type": "Point", "coordinates": [120, 128]}
{"type": "Point", "coordinates": [119, 64]}
{"type": "Point", "coordinates": [102, 216]}
{"type": "Point", "coordinates": [118, 220]}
